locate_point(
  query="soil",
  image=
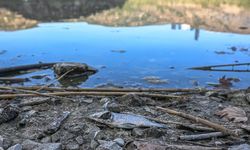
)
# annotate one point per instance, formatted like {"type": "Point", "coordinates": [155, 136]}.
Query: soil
{"type": "Point", "coordinates": [66, 124]}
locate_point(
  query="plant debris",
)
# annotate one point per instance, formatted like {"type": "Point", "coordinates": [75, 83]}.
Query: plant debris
{"type": "Point", "coordinates": [234, 114]}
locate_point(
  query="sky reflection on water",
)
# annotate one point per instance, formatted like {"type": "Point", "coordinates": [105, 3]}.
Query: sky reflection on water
{"type": "Point", "coordinates": [150, 51]}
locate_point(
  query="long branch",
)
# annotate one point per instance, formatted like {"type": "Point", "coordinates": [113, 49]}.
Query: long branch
{"type": "Point", "coordinates": [6, 96]}
{"type": "Point", "coordinates": [34, 93]}
{"type": "Point", "coordinates": [109, 89]}
{"type": "Point", "coordinates": [195, 119]}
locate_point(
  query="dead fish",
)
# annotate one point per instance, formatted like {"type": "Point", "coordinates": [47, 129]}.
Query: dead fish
{"type": "Point", "coordinates": [126, 121]}
{"type": "Point", "coordinates": [137, 120]}
{"type": "Point", "coordinates": [102, 115]}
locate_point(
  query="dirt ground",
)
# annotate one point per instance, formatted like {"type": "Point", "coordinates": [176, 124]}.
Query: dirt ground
{"type": "Point", "coordinates": [59, 124]}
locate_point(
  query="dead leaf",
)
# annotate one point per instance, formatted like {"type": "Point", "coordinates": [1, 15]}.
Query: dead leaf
{"type": "Point", "coordinates": [234, 114]}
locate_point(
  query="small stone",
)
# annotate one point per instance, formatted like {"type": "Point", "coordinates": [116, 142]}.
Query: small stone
{"type": "Point", "coordinates": [105, 100]}
{"type": "Point", "coordinates": [238, 98]}
{"type": "Point", "coordinates": [248, 98]}
{"type": "Point", "coordinates": [5, 143]}
{"type": "Point", "coordinates": [217, 143]}
{"type": "Point", "coordinates": [29, 144]}
{"type": "Point", "coordinates": [72, 146]}
{"type": "Point", "coordinates": [152, 111]}
{"type": "Point", "coordinates": [88, 101]}
{"type": "Point", "coordinates": [33, 134]}
{"type": "Point", "coordinates": [80, 140]}
{"type": "Point", "coordinates": [15, 147]}
{"type": "Point", "coordinates": [55, 137]}
{"type": "Point", "coordinates": [9, 113]}
{"type": "Point", "coordinates": [50, 146]}
{"type": "Point", "coordinates": [1, 141]}
{"type": "Point", "coordinates": [75, 128]}
{"type": "Point", "coordinates": [56, 124]}
{"type": "Point", "coordinates": [119, 141]}
{"type": "Point", "coordinates": [137, 132]}
{"type": "Point", "coordinates": [109, 145]}
{"type": "Point", "coordinates": [46, 139]}
{"type": "Point", "coordinates": [154, 132]}
{"type": "Point", "coordinates": [240, 147]}
{"type": "Point", "coordinates": [114, 107]}
{"type": "Point", "coordinates": [99, 135]}
{"type": "Point", "coordinates": [26, 108]}
{"type": "Point", "coordinates": [93, 144]}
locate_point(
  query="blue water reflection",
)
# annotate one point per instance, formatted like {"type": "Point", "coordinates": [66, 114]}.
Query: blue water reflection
{"type": "Point", "coordinates": [165, 51]}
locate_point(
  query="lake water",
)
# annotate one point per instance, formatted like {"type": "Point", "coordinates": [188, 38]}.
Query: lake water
{"type": "Point", "coordinates": [126, 47]}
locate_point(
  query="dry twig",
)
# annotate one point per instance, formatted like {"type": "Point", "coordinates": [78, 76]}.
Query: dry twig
{"type": "Point", "coordinates": [195, 119]}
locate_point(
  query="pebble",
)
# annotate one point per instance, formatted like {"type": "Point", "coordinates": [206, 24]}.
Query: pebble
{"type": "Point", "coordinates": [15, 147]}
{"type": "Point", "coordinates": [137, 132]}
{"type": "Point", "coordinates": [5, 143]}
{"type": "Point", "coordinates": [119, 141]}
{"type": "Point", "coordinates": [93, 144]}
{"type": "Point", "coordinates": [46, 139]}
{"type": "Point", "coordinates": [80, 140]}
{"type": "Point", "coordinates": [72, 146]}
{"type": "Point", "coordinates": [149, 132]}
{"type": "Point", "coordinates": [154, 132]}
{"type": "Point", "coordinates": [29, 144]}
{"type": "Point", "coordinates": [248, 98]}
{"type": "Point", "coordinates": [26, 108]}
{"type": "Point", "coordinates": [105, 100]}
{"type": "Point", "coordinates": [114, 107]}
{"type": "Point", "coordinates": [1, 141]}
{"type": "Point", "coordinates": [108, 145]}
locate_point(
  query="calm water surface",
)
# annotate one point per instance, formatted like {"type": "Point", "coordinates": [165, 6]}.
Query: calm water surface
{"type": "Point", "coordinates": [162, 49]}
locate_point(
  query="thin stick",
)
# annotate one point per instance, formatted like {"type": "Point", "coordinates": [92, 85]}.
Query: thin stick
{"type": "Point", "coordinates": [143, 144]}
{"type": "Point", "coordinates": [13, 80]}
{"type": "Point", "coordinates": [195, 119]}
{"type": "Point", "coordinates": [201, 136]}
{"type": "Point", "coordinates": [187, 126]}
{"type": "Point", "coordinates": [33, 93]}
{"type": "Point", "coordinates": [111, 89]}
{"type": "Point", "coordinates": [16, 69]}
{"type": "Point", "coordinates": [45, 86]}
{"type": "Point", "coordinates": [33, 103]}
{"type": "Point", "coordinates": [194, 127]}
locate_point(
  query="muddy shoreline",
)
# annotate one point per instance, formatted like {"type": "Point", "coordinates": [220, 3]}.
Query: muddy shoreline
{"type": "Point", "coordinates": [61, 124]}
